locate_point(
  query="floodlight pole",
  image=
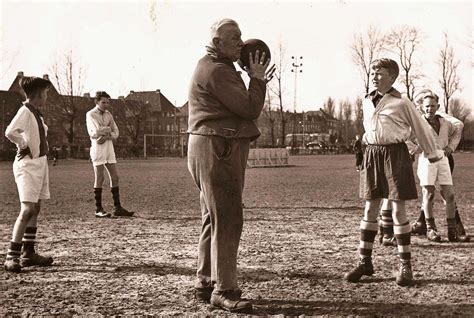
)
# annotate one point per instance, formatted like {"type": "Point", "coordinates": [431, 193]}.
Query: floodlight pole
{"type": "Point", "coordinates": [296, 69]}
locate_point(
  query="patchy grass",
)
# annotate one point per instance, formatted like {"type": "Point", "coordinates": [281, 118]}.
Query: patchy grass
{"type": "Point", "coordinates": [300, 236]}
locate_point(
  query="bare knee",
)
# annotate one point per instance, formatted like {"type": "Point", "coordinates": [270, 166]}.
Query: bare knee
{"type": "Point", "coordinates": [27, 212]}
{"type": "Point", "coordinates": [428, 193]}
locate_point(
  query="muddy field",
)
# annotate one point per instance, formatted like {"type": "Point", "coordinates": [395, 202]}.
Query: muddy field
{"type": "Point", "coordinates": [300, 236]}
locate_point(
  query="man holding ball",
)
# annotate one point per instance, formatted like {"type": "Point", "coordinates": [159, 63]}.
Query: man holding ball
{"type": "Point", "coordinates": [221, 126]}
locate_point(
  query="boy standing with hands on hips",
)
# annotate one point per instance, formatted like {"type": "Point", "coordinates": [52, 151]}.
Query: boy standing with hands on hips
{"type": "Point", "coordinates": [30, 168]}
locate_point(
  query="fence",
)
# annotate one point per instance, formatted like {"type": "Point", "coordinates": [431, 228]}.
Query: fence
{"type": "Point", "coordinates": [268, 157]}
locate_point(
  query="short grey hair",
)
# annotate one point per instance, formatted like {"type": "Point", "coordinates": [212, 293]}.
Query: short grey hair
{"type": "Point", "coordinates": [217, 26]}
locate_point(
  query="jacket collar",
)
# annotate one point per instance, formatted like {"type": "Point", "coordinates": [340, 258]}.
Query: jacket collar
{"type": "Point", "coordinates": [212, 52]}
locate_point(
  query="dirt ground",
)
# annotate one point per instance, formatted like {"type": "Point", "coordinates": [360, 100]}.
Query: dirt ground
{"type": "Point", "coordinates": [300, 236]}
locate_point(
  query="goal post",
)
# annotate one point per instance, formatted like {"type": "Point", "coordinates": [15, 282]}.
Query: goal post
{"type": "Point", "coordinates": [163, 145]}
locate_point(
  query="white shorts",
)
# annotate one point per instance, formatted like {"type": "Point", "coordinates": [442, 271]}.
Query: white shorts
{"type": "Point", "coordinates": [102, 154]}
{"type": "Point", "coordinates": [32, 178]}
{"type": "Point", "coordinates": [430, 173]}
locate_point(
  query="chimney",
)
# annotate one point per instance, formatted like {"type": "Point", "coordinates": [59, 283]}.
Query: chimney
{"type": "Point", "coordinates": [46, 77]}
{"type": "Point", "coordinates": [132, 92]}
{"type": "Point", "coordinates": [158, 91]}
{"type": "Point", "coordinates": [88, 95]}
{"type": "Point", "coordinates": [20, 74]}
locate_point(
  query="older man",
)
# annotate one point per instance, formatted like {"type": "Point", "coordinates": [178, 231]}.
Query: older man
{"type": "Point", "coordinates": [221, 126]}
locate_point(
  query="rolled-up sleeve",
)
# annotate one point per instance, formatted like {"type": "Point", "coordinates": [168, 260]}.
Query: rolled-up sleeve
{"type": "Point", "coordinates": [226, 85]}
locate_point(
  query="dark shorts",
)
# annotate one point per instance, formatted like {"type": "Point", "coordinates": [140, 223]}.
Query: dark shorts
{"type": "Point", "coordinates": [387, 172]}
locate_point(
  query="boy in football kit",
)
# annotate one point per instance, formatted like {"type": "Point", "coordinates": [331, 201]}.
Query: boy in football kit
{"type": "Point", "coordinates": [30, 168]}
{"type": "Point", "coordinates": [419, 226]}
{"type": "Point", "coordinates": [102, 131]}
{"type": "Point", "coordinates": [389, 120]}
{"type": "Point", "coordinates": [447, 134]}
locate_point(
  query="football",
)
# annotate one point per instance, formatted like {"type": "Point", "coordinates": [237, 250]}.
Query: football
{"type": "Point", "coordinates": [251, 46]}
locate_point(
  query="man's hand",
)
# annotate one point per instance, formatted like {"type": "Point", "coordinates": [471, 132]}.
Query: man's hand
{"type": "Point", "coordinates": [448, 151]}
{"type": "Point", "coordinates": [23, 153]}
{"type": "Point", "coordinates": [103, 139]}
{"type": "Point", "coordinates": [258, 67]}
{"type": "Point", "coordinates": [269, 74]}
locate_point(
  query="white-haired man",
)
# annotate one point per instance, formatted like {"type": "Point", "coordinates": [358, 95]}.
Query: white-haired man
{"type": "Point", "coordinates": [221, 125]}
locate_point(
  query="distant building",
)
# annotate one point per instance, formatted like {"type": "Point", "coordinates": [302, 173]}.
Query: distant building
{"type": "Point", "coordinates": [160, 119]}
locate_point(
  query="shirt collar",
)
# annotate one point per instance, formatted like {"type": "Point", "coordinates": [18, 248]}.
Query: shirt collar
{"type": "Point", "coordinates": [392, 91]}
{"type": "Point", "coordinates": [100, 111]}
{"type": "Point", "coordinates": [33, 109]}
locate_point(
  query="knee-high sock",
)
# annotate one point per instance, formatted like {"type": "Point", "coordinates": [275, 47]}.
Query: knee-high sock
{"type": "Point", "coordinates": [14, 250]}
{"type": "Point", "coordinates": [368, 231]}
{"type": "Point", "coordinates": [29, 240]}
{"type": "Point", "coordinates": [387, 222]}
{"type": "Point", "coordinates": [116, 196]}
{"type": "Point", "coordinates": [98, 198]}
{"type": "Point", "coordinates": [403, 234]}
{"type": "Point", "coordinates": [451, 224]}
{"type": "Point", "coordinates": [431, 224]}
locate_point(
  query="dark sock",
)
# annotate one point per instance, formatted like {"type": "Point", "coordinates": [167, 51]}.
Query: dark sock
{"type": "Point", "coordinates": [430, 224]}
{"type": "Point", "coordinates": [98, 198]}
{"type": "Point", "coordinates": [368, 231]}
{"type": "Point", "coordinates": [456, 213]}
{"type": "Point", "coordinates": [451, 223]}
{"type": "Point", "coordinates": [421, 217]}
{"type": "Point", "coordinates": [116, 196]}
{"type": "Point", "coordinates": [29, 240]}
{"type": "Point", "coordinates": [14, 250]}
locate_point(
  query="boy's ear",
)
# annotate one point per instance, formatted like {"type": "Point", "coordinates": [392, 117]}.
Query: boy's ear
{"type": "Point", "coordinates": [215, 41]}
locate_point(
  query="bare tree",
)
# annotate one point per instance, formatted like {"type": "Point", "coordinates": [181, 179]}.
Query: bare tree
{"type": "Point", "coordinates": [359, 116]}
{"type": "Point", "coordinates": [403, 41]}
{"type": "Point", "coordinates": [276, 88]}
{"type": "Point", "coordinates": [449, 80]}
{"type": "Point", "coordinates": [69, 76]}
{"type": "Point", "coordinates": [7, 60]}
{"type": "Point", "coordinates": [459, 109]}
{"type": "Point", "coordinates": [132, 115]}
{"type": "Point", "coordinates": [269, 117]}
{"type": "Point", "coordinates": [462, 112]}
{"type": "Point", "coordinates": [344, 114]}
{"type": "Point", "coordinates": [329, 106]}
{"type": "Point", "coordinates": [365, 49]}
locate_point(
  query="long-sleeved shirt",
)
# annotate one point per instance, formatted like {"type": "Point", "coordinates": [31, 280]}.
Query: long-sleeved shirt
{"type": "Point", "coordinates": [24, 131]}
{"type": "Point", "coordinates": [219, 102]}
{"type": "Point", "coordinates": [449, 135]}
{"type": "Point", "coordinates": [394, 120]}
{"type": "Point", "coordinates": [101, 123]}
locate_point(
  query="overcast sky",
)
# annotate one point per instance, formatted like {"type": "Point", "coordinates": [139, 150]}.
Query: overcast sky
{"type": "Point", "coordinates": [148, 45]}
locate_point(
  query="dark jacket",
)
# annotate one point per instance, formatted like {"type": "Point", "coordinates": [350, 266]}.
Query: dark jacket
{"type": "Point", "coordinates": [219, 102]}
